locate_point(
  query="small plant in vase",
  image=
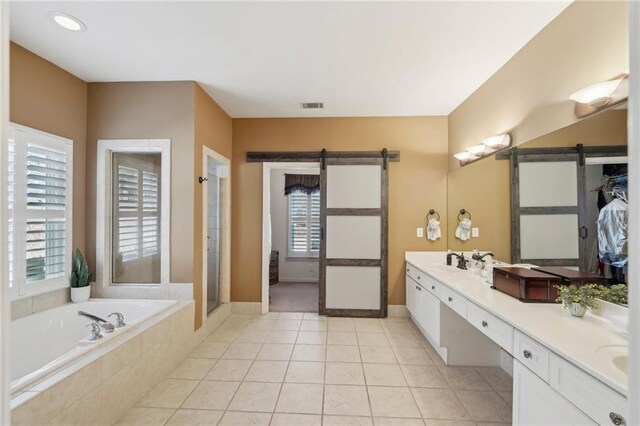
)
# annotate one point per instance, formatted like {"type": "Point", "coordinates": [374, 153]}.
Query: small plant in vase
{"type": "Point", "coordinates": [80, 279]}
{"type": "Point", "coordinates": [577, 299]}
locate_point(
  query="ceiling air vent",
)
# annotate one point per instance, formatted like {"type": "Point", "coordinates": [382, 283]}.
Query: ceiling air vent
{"type": "Point", "coordinates": [312, 105]}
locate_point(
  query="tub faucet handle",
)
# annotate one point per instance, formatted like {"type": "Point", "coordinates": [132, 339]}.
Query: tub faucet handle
{"type": "Point", "coordinates": [95, 331]}
{"type": "Point", "coordinates": [119, 319]}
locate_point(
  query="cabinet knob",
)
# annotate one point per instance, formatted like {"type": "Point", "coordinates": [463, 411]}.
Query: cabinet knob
{"type": "Point", "coordinates": [418, 276]}
{"type": "Point", "coordinates": [526, 354]}
{"type": "Point", "coordinates": [418, 288]}
{"type": "Point", "coordinates": [433, 287]}
{"type": "Point", "coordinates": [451, 299]}
{"type": "Point", "coordinates": [616, 419]}
{"type": "Point", "coordinates": [484, 323]}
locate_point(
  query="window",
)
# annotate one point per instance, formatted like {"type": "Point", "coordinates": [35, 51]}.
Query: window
{"type": "Point", "coordinates": [304, 224]}
{"type": "Point", "coordinates": [39, 210]}
{"type": "Point", "coordinates": [136, 217]}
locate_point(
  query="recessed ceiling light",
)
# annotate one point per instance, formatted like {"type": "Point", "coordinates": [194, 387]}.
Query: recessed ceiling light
{"type": "Point", "coordinates": [67, 21]}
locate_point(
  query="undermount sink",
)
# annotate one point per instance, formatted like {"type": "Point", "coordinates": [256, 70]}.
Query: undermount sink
{"type": "Point", "coordinates": [618, 355]}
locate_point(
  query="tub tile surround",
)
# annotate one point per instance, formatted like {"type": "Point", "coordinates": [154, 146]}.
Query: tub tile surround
{"type": "Point", "coordinates": [174, 291]}
{"type": "Point", "coordinates": [105, 384]}
{"type": "Point", "coordinates": [40, 302]}
{"type": "Point", "coordinates": [268, 369]}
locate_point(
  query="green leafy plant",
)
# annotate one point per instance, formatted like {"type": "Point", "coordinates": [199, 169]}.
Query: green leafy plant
{"type": "Point", "coordinates": [81, 276]}
{"type": "Point", "coordinates": [616, 293]}
{"type": "Point", "coordinates": [584, 295]}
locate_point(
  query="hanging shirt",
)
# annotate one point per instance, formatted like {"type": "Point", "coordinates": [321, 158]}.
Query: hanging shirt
{"type": "Point", "coordinates": [612, 233]}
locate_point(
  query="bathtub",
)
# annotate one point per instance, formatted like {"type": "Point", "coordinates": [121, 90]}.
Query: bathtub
{"type": "Point", "coordinates": [46, 342]}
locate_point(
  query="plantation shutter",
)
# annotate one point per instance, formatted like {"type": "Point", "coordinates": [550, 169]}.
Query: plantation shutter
{"type": "Point", "coordinates": [304, 224]}
{"type": "Point", "coordinates": [40, 210]}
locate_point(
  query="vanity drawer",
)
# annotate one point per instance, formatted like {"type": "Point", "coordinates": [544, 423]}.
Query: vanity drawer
{"type": "Point", "coordinates": [493, 327]}
{"type": "Point", "coordinates": [415, 273]}
{"type": "Point", "coordinates": [452, 299]}
{"type": "Point", "coordinates": [589, 394]}
{"type": "Point", "coordinates": [531, 354]}
{"type": "Point", "coordinates": [432, 285]}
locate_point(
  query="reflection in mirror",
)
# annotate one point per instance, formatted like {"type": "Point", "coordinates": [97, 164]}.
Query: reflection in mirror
{"type": "Point", "coordinates": [550, 203]}
{"type": "Point", "coordinates": [136, 218]}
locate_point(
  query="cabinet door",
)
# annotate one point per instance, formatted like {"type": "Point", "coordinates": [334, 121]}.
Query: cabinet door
{"type": "Point", "coordinates": [413, 298]}
{"type": "Point", "coordinates": [535, 403]}
{"type": "Point", "coordinates": [430, 315]}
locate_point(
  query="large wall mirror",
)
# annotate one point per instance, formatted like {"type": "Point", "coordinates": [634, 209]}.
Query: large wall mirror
{"type": "Point", "coordinates": [558, 200]}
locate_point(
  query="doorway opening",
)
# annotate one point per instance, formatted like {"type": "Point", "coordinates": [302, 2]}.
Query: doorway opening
{"type": "Point", "coordinates": [291, 237]}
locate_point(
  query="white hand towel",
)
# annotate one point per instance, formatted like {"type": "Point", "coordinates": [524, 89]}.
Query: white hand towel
{"type": "Point", "coordinates": [463, 232]}
{"type": "Point", "coordinates": [433, 230]}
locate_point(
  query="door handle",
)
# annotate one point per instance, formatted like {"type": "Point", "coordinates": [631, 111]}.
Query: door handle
{"type": "Point", "coordinates": [322, 233]}
{"type": "Point", "coordinates": [584, 232]}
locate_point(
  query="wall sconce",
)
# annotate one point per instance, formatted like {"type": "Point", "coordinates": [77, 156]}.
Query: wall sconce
{"type": "Point", "coordinates": [600, 96]}
{"type": "Point", "coordinates": [488, 146]}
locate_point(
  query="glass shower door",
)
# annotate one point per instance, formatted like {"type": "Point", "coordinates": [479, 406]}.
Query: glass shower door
{"type": "Point", "coordinates": [213, 235]}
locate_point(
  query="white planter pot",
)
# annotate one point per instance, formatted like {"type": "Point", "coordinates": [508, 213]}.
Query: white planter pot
{"type": "Point", "coordinates": [80, 294]}
{"type": "Point", "coordinates": [577, 310]}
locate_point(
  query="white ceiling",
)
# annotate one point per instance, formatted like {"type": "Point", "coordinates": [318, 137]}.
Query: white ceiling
{"type": "Point", "coordinates": [262, 59]}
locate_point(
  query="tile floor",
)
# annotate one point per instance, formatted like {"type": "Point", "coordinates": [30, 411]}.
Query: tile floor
{"type": "Point", "coordinates": [301, 369]}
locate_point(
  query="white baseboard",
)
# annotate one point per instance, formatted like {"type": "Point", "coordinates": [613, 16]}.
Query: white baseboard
{"type": "Point", "coordinates": [246, 307]}
{"type": "Point", "coordinates": [400, 311]}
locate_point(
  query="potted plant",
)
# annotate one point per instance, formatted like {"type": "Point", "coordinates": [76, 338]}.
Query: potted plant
{"type": "Point", "coordinates": [80, 279]}
{"type": "Point", "coordinates": [578, 299]}
{"type": "Point", "coordinates": [617, 293]}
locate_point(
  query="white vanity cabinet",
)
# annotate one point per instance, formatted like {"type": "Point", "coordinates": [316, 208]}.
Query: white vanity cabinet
{"type": "Point", "coordinates": [423, 306]}
{"type": "Point", "coordinates": [535, 403]}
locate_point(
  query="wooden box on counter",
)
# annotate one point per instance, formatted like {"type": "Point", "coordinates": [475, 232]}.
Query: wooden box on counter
{"type": "Point", "coordinates": [570, 276]}
{"type": "Point", "coordinates": [526, 285]}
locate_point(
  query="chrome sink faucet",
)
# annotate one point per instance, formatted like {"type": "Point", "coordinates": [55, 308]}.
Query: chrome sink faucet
{"type": "Point", "coordinates": [477, 256]}
{"type": "Point", "coordinates": [95, 331]}
{"type": "Point", "coordinates": [462, 263]}
{"type": "Point", "coordinates": [104, 325]}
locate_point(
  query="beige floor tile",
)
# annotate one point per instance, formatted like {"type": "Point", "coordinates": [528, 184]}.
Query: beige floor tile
{"type": "Point", "coordinates": [305, 372]}
{"type": "Point", "coordinates": [346, 400]}
{"type": "Point", "coordinates": [287, 324]}
{"type": "Point", "coordinates": [253, 336]}
{"type": "Point", "coordinates": [368, 325]}
{"type": "Point", "coordinates": [300, 398]}
{"type": "Point", "coordinates": [291, 315]}
{"type": "Point", "coordinates": [192, 368]}
{"type": "Point", "coordinates": [399, 327]}
{"type": "Point", "coordinates": [209, 349]}
{"type": "Point", "coordinates": [435, 422]}
{"type": "Point", "coordinates": [392, 402]}
{"type": "Point", "coordinates": [286, 419]}
{"type": "Point", "coordinates": [377, 355]}
{"type": "Point", "coordinates": [312, 338]}
{"type": "Point", "coordinates": [139, 416]}
{"type": "Point", "coordinates": [415, 356]}
{"type": "Point", "coordinates": [342, 338]}
{"type": "Point", "coordinates": [223, 336]}
{"type": "Point", "coordinates": [372, 339]}
{"type": "Point", "coordinates": [259, 397]}
{"type": "Point", "coordinates": [169, 393]}
{"type": "Point", "coordinates": [211, 395]}
{"type": "Point", "coordinates": [261, 324]}
{"type": "Point", "coordinates": [242, 351]}
{"type": "Point", "coordinates": [464, 378]}
{"type": "Point", "coordinates": [485, 406]}
{"type": "Point", "coordinates": [309, 353]}
{"type": "Point", "coordinates": [424, 376]}
{"type": "Point", "coordinates": [383, 375]}
{"type": "Point", "coordinates": [245, 419]}
{"type": "Point", "coordinates": [311, 325]}
{"type": "Point", "coordinates": [344, 373]}
{"type": "Point", "coordinates": [435, 358]}
{"type": "Point", "coordinates": [336, 325]}
{"type": "Point", "coordinates": [507, 397]}
{"type": "Point", "coordinates": [339, 353]}
{"type": "Point", "coordinates": [313, 316]}
{"type": "Point", "coordinates": [271, 315]}
{"type": "Point", "coordinates": [267, 371]}
{"type": "Point", "coordinates": [275, 352]}
{"type": "Point", "coordinates": [498, 379]}
{"type": "Point", "coordinates": [229, 370]}
{"type": "Point", "coordinates": [439, 404]}
{"type": "Point", "coordinates": [346, 421]}
{"type": "Point", "coordinates": [403, 340]}
{"type": "Point", "coordinates": [195, 418]}
{"type": "Point", "coordinates": [389, 421]}
{"type": "Point", "coordinates": [282, 336]}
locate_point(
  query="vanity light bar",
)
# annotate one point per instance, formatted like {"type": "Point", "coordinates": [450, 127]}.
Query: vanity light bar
{"type": "Point", "coordinates": [488, 146]}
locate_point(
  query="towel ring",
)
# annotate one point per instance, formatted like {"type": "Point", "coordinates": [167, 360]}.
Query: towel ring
{"type": "Point", "coordinates": [433, 212]}
{"type": "Point", "coordinates": [462, 213]}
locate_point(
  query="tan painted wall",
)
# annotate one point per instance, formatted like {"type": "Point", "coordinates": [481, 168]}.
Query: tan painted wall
{"type": "Point", "coordinates": [149, 110]}
{"type": "Point", "coordinates": [483, 187]}
{"type": "Point", "coordinates": [213, 129]}
{"type": "Point", "coordinates": [417, 183]}
{"type": "Point", "coordinates": [529, 96]}
{"type": "Point", "coordinates": [46, 97]}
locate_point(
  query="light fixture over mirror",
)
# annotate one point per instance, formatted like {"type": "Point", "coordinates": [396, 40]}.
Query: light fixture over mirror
{"type": "Point", "coordinates": [488, 146]}
{"type": "Point", "coordinates": [600, 96]}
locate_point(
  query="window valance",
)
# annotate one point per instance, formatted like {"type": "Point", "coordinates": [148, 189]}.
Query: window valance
{"type": "Point", "coordinates": [301, 183]}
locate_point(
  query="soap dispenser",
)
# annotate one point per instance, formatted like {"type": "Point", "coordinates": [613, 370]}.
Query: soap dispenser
{"type": "Point", "coordinates": [449, 256]}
